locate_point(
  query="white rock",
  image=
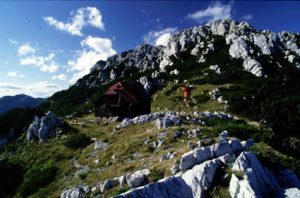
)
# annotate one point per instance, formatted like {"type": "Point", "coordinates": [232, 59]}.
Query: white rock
{"type": "Point", "coordinates": [187, 161]}
{"type": "Point", "coordinates": [174, 72]}
{"type": "Point", "coordinates": [239, 49]}
{"type": "Point", "coordinates": [292, 193]}
{"type": "Point", "coordinates": [223, 136]}
{"type": "Point", "coordinates": [99, 145]}
{"type": "Point", "coordinates": [168, 187]}
{"type": "Point", "coordinates": [147, 84]}
{"type": "Point", "coordinates": [202, 154]}
{"type": "Point", "coordinates": [253, 66]}
{"type": "Point", "coordinates": [228, 158]}
{"type": "Point", "coordinates": [200, 178]}
{"type": "Point", "coordinates": [257, 181]}
{"type": "Point", "coordinates": [262, 41]}
{"type": "Point", "coordinates": [291, 58]}
{"type": "Point", "coordinates": [236, 145]}
{"type": "Point", "coordinates": [219, 27]}
{"type": "Point", "coordinates": [247, 144]}
{"type": "Point", "coordinates": [215, 68]}
{"type": "Point", "coordinates": [137, 178]}
{"type": "Point", "coordinates": [33, 129]}
{"type": "Point", "coordinates": [193, 183]}
{"type": "Point", "coordinates": [76, 192]}
{"type": "Point", "coordinates": [221, 148]}
{"type": "Point", "coordinates": [108, 184]}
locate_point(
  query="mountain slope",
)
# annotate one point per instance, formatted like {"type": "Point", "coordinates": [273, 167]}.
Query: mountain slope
{"type": "Point", "coordinates": [18, 101]}
{"type": "Point", "coordinates": [251, 75]}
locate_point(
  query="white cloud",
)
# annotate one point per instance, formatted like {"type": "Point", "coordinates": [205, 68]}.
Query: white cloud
{"type": "Point", "coordinates": [246, 17]}
{"type": "Point", "coordinates": [45, 63]}
{"type": "Point", "coordinates": [60, 77]}
{"type": "Point", "coordinates": [40, 89]}
{"type": "Point", "coordinates": [82, 17]}
{"type": "Point", "coordinates": [14, 74]}
{"type": "Point", "coordinates": [93, 50]}
{"type": "Point", "coordinates": [13, 41]}
{"type": "Point", "coordinates": [212, 13]}
{"type": "Point", "coordinates": [161, 37]}
{"type": "Point", "coordinates": [49, 68]}
{"type": "Point", "coordinates": [25, 49]}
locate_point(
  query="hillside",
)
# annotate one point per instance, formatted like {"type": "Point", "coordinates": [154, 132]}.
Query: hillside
{"type": "Point", "coordinates": [244, 81]}
{"type": "Point", "coordinates": [18, 101]}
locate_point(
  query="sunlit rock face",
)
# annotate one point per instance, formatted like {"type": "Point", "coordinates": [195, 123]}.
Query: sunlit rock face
{"type": "Point", "coordinates": [242, 40]}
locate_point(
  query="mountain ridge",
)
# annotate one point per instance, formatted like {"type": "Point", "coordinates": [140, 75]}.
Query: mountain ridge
{"type": "Point", "coordinates": [18, 101]}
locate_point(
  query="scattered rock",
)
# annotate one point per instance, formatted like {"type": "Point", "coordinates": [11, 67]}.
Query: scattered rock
{"type": "Point", "coordinates": [177, 134]}
{"type": "Point", "coordinates": [99, 145]}
{"type": "Point", "coordinates": [138, 178]}
{"type": "Point", "coordinates": [223, 136]}
{"type": "Point", "coordinates": [108, 184]}
{"type": "Point", "coordinates": [84, 170]}
{"type": "Point", "coordinates": [167, 156]}
{"type": "Point", "coordinates": [75, 192]}
{"type": "Point", "coordinates": [215, 68]}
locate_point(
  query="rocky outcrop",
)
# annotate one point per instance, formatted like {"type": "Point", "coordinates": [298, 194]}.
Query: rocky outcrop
{"type": "Point", "coordinates": [199, 155]}
{"type": "Point", "coordinates": [138, 178]}
{"type": "Point", "coordinates": [239, 48]}
{"type": "Point", "coordinates": [75, 192]}
{"type": "Point", "coordinates": [253, 66]}
{"type": "Point", "coordinates": [170, 118]}
{"type": "Point", "coordinates": [244, 43]}
{"type": "Point", "coordinates": [193, 183]}
{"type": "Point", "coordinates": [256, 182]}
{"type": "Point", "coordinates": [44, 127]}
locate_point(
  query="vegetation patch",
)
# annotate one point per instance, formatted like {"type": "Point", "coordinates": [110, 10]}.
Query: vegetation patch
{"type": "Point", "coordinates": [78, 140]}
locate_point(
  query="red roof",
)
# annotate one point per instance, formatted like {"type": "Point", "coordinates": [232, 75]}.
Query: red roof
{"type": "Point", "coordinates": [128, 93]}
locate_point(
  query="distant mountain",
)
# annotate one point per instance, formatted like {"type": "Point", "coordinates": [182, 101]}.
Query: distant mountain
{"type": "Point", "coordinates": [18, 101]}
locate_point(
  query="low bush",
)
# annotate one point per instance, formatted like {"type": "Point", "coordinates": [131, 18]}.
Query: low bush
{"type": "Point", "coordinates": [156, 174]}
{"type": "Point", "coordinates": [78, 140]}
{"type": "Point", "coordinates": [202, 98]}
{"type": "Point", "coordinates": [38, 177]}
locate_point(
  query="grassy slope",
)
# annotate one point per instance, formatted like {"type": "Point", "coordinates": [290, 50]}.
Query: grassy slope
{"type": "Point", "coordinates": [123, 144]}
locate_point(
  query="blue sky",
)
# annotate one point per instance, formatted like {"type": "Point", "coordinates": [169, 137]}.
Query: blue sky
{"type": "Point", "coordinates": [47, 45]}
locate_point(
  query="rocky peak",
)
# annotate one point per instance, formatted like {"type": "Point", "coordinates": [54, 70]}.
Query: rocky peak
{"type": "Point", "coordinates": [243, 40]}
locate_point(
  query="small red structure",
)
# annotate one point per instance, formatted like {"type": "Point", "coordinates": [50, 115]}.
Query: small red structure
{"type": "Point", "coordinates": [186, 91]}
{"type": "Point", "coordinates": [124, 100]}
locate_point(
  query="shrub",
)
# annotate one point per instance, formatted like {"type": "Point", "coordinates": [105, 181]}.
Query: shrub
{"type": "Point", "coordinates": [77, 141]}
{"type": "Point", "coordinates": [202, 98]}
{"type": "Point", "coordinates": [156, 174]}
{"type": "Point", "coordinates": [38, 177]}
{"type": "Point", "coordinates": [118, 191]}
